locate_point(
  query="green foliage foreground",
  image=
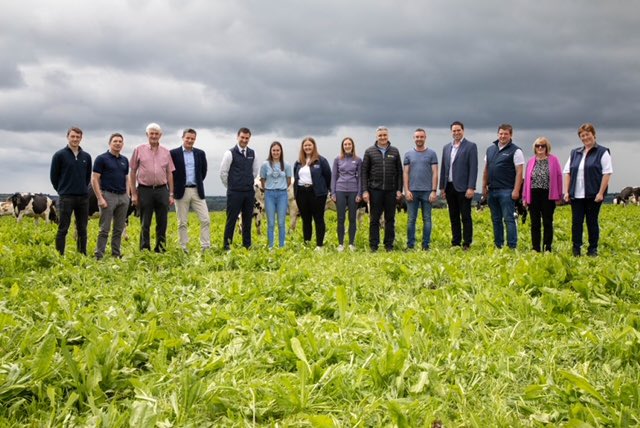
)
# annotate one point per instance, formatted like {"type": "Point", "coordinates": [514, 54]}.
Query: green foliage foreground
{"type": "Point", "coordinates": [295, 337]}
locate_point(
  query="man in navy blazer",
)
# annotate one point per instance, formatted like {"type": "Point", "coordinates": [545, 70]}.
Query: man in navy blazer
{"type": "Point", "coordinates": [188, 183]}
{"type": "Point", "coordinates": [458, 176]}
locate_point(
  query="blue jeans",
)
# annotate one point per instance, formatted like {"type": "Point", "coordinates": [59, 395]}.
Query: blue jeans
{"type": "Point", "coordinates": [420, 200]}
{"type": "Point", "coordinates": [503, 209]}
{"type": "Point", "coordinates": [276, 202]}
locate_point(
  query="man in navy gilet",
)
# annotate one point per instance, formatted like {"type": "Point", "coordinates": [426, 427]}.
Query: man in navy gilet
{"type": "Point", "coordinates": [237, 172]}
{"type": "Point", "coordinates": [501, 184]}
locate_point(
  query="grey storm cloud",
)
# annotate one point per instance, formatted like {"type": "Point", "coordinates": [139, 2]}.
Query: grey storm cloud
{"type": "Point", "coordinates": [312, 67]}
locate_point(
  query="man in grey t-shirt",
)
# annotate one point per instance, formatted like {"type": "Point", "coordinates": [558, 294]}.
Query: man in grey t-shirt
{"type": "Point", "coordinates": [420, 176]}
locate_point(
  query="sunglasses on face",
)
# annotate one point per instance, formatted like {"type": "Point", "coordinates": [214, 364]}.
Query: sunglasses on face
{"type": "Point", "coordinates": [540, 146]}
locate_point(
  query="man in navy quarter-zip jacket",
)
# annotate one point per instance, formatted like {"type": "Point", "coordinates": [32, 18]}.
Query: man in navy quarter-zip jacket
{"type": "Point", "coordinates": [70, 175]}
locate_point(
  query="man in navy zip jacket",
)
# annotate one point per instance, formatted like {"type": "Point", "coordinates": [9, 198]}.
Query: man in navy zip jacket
{"type": "Point", "coordinates": [70, 175]}
{"type": "Point", "coordinates": [238, 171]}
{"type": "Point", "coordinates": [501, 183]}
{"type": "Point", "coordinates": [382, 187]}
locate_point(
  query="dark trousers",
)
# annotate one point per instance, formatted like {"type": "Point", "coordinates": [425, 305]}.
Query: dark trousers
{"type": "Point", "coordinates": [582, 209]}
{"type": "Point", "coordinates": [239, 203]}
{"type": "Point", "coordinates": [459, 209]}
{"type": "Point", "coordinates": [153, 201]}
{"type": "Point", "coordinates": [79, 206]}
{"type": "Point", "coordinates": [311, 209]}
{"type": "Point", "coordinates": [382, 201]}
{"type": "Point", "coordinates": [541, 210]}
{"type": "Point", "coordinates": [346, 200]}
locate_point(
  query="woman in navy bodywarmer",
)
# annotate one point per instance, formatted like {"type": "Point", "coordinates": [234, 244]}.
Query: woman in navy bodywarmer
{"type": "Point", "coordinates": [587, 173]}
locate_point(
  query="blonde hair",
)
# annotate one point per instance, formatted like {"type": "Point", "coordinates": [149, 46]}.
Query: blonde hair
{"type": "Point", "coordinates": [541, 140]}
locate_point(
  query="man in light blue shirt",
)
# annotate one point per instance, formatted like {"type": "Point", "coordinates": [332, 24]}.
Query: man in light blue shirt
{"type": "Point", "coordinates": [188, 180]}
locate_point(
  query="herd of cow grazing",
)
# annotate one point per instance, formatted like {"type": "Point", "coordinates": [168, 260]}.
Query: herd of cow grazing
{"type": "Point", "coordinates": [42, 206]}
{"type": "Point", "coordinates": [628, 195]}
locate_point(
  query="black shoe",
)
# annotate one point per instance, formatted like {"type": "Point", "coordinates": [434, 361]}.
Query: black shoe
{"type": "Point", "coordinates": [576, 252]}
{"type": "Point", "coordinates": [592, 253]}
{"type": "Point", "coordinates": [465, 247]}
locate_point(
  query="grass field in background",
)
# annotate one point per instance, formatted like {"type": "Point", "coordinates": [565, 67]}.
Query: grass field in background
{"type": "Point", "coordinates": [295, 337]}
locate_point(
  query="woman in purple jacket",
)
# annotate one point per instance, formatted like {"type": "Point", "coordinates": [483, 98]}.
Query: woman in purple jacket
{"type": "Point", "coordinates": [542, 189]}
{"type": "Point", "coordinates": [346, 190]}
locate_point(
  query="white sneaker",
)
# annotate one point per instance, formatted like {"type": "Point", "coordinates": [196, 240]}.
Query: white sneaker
{"type": "Point", "coordinates": [318, 248]}
{"type": "Point", "coordinates": [340, 248]}
{"type": "Point", "coordinates": [352, 247]}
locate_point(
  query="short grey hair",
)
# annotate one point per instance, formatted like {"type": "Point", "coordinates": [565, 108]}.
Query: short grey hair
{"type": "Point", "coordinates": [382, 128]}
{"type": "Point", "coordinates": [153, 126]}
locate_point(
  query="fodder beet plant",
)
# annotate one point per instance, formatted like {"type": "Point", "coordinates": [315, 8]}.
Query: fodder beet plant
{"type": "Point", "coordinates": [296, 337]}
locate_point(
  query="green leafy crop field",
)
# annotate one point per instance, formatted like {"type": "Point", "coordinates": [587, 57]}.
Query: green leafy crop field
{"type": "Point", "coordinates": [295, 337]}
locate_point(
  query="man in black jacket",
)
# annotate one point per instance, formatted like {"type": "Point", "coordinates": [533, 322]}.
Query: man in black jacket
{"type": "Point", "coordinates": [188, 183]}
{"type": "Point", "coordinates": [382, 187]}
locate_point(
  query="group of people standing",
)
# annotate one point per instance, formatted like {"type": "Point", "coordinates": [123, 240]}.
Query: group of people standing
{"type": "Point", "coordinates": [146, 181]}
{"type": "Point", "coordinates": [157, 178]}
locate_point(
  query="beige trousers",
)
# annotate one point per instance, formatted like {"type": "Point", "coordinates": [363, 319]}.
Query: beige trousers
{"type": "Point", "coordinates": [199, 206]}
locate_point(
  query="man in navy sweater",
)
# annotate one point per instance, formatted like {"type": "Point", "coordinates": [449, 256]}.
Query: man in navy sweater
{"type": "Point", "coordinates": [70, 175]}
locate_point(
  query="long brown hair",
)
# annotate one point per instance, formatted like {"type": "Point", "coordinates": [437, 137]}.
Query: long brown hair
{"type": "Point", "coordinates": [343, 154]}
{"type": "Point", "coordinates": [270, 157]}
{"type": "Point", "coordinates": [315, 156]}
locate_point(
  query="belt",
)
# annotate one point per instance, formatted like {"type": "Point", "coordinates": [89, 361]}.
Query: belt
{"type": "Point", "coordinates": [155, 186]}
{"type": "Point", "coordinates": [305, 185]}
{"type": "Point", "coordinates": [190, 186]}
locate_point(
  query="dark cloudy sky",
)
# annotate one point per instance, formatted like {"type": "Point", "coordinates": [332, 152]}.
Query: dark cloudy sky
{"type": "Point", "coordinates": [324, 68]}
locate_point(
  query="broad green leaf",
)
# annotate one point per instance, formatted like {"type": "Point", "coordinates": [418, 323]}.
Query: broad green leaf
{"type": "Point", "coordinates": [44, 356]}
{"type": "Point", "coordinates": [321, 421]}
{"type": "Point", "coordinates": [583, 384]}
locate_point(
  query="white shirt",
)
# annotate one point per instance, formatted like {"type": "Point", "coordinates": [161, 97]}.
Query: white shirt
{"type": "Point", "coordinates": [227, 158]}
{"type": "Point", "coordinates": [304, 175]}
{"type": "Point", "coordinates": [454, 152]}
{"type": "Point", "coordinates": [605, 163]}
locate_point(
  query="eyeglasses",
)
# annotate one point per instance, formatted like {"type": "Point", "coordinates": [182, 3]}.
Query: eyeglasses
{"type": "Point", "coordinates": [540, 146]}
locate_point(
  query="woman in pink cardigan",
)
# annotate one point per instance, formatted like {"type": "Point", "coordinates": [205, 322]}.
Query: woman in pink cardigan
{"type": "Point", "coordinates": [542, 189]}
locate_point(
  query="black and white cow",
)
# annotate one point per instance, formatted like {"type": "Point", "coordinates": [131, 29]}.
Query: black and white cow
{"type": "Point", "coordinates": [34, 205]}
{"type": "Point", "coordinates": [623, 198]}
{"type": "Point", "coordinates": [94, 210]}
{"type": "Point", "coordinates": [635, 196]}
{"type": "Point", "coordinates": [258, 208]}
